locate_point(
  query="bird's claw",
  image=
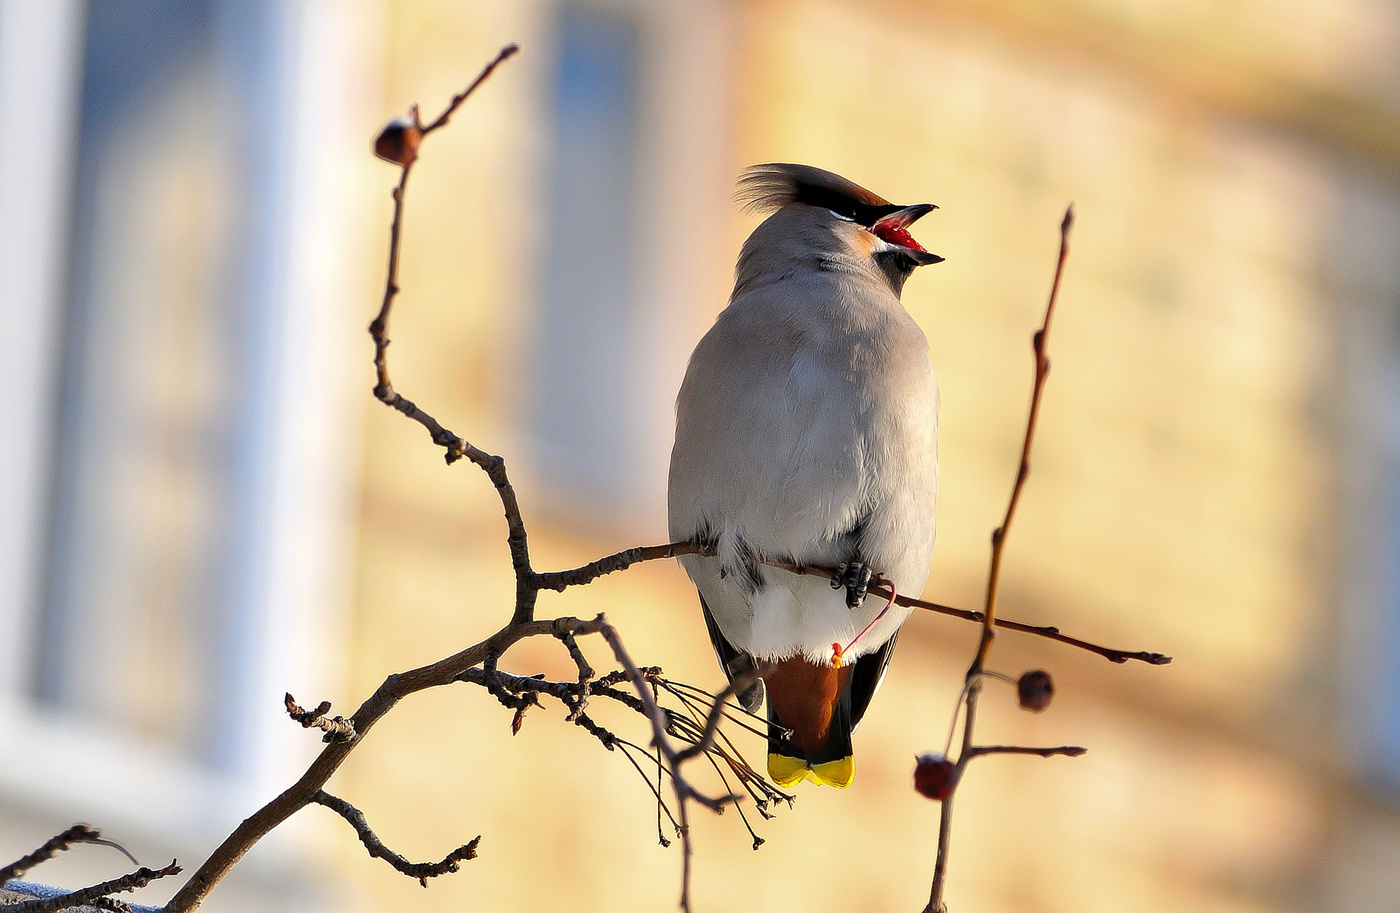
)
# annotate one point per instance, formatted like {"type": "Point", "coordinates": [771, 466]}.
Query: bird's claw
{"type": "Point", "coordinates": [855, 577]}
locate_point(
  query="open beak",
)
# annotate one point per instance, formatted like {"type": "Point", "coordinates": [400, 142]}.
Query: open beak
{"type": "Point", "coordinates": [894, 229]}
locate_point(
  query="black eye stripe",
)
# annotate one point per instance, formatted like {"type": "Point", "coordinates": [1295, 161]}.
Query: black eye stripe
{"type": "Point", "coordinates": [844, 207]}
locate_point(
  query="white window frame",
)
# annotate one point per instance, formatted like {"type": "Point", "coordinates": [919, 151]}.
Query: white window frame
{"type": "Point", "coordinates": [325, 87]}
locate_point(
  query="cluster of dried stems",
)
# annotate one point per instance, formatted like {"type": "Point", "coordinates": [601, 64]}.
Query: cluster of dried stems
{"type": "Point", "coordinates": [686, 723]}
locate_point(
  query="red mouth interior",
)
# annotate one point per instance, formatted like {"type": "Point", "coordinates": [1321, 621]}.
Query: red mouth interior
{"type": "Point", "coordinates": [896, 234]}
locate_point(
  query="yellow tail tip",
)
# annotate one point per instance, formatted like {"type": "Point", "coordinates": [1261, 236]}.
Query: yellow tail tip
{"type": "Point", "coordinates": [837, 773]}
{"type": "Point", "coordinates": [788, 772]}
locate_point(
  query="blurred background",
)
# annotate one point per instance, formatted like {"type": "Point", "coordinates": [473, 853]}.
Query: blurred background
{"type": "Point", "coordinates": [201, 506]}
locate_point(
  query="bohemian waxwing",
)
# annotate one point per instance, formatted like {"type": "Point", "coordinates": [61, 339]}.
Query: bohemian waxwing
{"type": "Point", "coordinates": [806, 433]}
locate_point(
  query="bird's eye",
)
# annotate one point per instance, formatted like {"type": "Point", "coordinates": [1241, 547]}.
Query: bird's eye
{"type": "Point", "coordinates": [842, 216]}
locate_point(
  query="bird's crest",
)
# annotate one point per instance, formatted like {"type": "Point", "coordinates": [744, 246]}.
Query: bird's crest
{"type": "Point", "coordinates": [767, 188]}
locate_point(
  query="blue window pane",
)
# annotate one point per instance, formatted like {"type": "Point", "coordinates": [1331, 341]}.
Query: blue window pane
{"type": "Point", "coordinates": [1387, 652]}
{"type": "Point", "coordinates": [583, 355]}
{"type": "Point", "coordinates": [164, 370]}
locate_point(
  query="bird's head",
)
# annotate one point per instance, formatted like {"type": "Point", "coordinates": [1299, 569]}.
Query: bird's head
{"type": "Point", "coordinates": [820, 212]}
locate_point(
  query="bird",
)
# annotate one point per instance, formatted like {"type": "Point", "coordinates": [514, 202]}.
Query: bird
{"type": "Point", "coordinates": [806, 435]}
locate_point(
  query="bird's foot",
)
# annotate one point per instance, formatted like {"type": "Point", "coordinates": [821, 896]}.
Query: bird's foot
{"type": "Point", "coordinates": [855, 577]}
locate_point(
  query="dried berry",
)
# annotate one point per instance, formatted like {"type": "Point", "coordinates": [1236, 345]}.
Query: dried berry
{"type": "Point", "coordinates": [1035, 690]}
{"type": "Point", "coordinates": [397, 143]}
{"type": "Point", "coordinates": [935, 776]}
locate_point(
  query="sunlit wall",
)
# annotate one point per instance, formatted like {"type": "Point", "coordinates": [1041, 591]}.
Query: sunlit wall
{"type": "Point", "coordinates": [1209, 480]}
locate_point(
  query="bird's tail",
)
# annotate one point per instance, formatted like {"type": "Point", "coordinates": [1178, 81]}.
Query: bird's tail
{"type": "Point", "coordinates": [809, 724]}
{"type": "Point", "coordinates": [788, 771]}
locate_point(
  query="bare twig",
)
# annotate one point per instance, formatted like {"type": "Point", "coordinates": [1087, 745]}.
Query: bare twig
{"type": "Point", "coordinates": [972, 689]}
{"type": "Point", "coordinates": [130, 882]}
{"type": "Point", "coordinates": [419, 870]}
{"type": "Point", "coordinates": [336, 728]}
{"type": "Point", "coordinates": [1067, 751]}
{"type": "Point", "coordinates": [505, 54]}
{"type": "Point", "coordinates": [621, 561]}
{"type": "Point", "coordinates": [660, 726]}
{"type": "Point", "coordinates": [585, 676]}
{"type": "Point", "coordinates": [394, 689]}
{"type": "Point", "coordinates": [701, 735]}
{"type": "Point", "coordinates": [880, 588]}
{"type": "Point", "coordinates": [717, 711]}
{"type": "Point", "coordinates": [454, 445]}
{"type": "Point", "coordinates": [579, 576]}
{"type": "Point", "coordinates": [1042, 370]}
{"type": "Point", "coordinates": [78, 833]}
{"type": "Point", "coordinates": [627, 749]}
{"type": "Point", "coordinates": [689, 693]}
{"type": "Point", "coordinates": [660, 722]}
{"type": "Point", "coordinates": [692, 708]}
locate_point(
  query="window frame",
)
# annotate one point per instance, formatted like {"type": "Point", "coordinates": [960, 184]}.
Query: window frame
{"type": "Point", "coordinates": [320, 93]}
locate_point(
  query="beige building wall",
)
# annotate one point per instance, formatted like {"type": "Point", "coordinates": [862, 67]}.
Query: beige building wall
{"type": "Point", "coordinates": [1189, 491]}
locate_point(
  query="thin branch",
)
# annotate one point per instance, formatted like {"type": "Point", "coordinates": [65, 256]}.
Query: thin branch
{"type": "Point", "coordinates": [627, 748]}
{"type": "Point", "coordinates": [659, 722]}
{"type": "Point", "coordinates": [455, 446]}
{"type": "Point", "coordinates": [760, 790]}
{"type": "Point", "coordinates": [130, 882]}
{"type": "Point", "coordinates": [621, 561]}
{"type": "Point", "coordinates": [394, 689]}
{"type": "Point", "coordinates": [661, 803]}
{"type": "Point", "coordinates": [973, 687]}
{"type": "Point", "coordinates": [945, 815]}
{"type": "Point", "coordinates": [1042, 370]}
{"type": "Point", "coordinates": [1067, 751]}
{"type": "Point", "coordinates": [505, 54]}
{"type": "Point", "coordinates": [1047, 631]}
{"type": "Point", "coordinates": [693, 710]}
{"type": "Point", "coordinates": [336, 728]}
{"type": "Point", "coordinates": [419, 870]}
{"type": "Point", "coordinates": [78, 833]}
{"type": "Point", "coordinates": [726, 708]}
{"type": "Point", "coordinates": [1108, 653]}
{"type": "Point", "coordinates": [717, 710]}
{"type": "Point", "coordinates": [585, 676]}
{"type": "Point", "coordinates": [719, 745]}
{"type": "Point", "coordinates": [683, 789]}
{"type": "Point", "coordinates": [699, 729]}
